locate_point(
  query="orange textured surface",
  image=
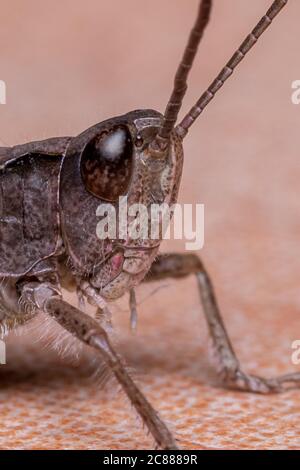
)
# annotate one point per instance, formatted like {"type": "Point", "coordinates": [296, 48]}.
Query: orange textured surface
{"type": "Point", "coordinates": [69, 64]}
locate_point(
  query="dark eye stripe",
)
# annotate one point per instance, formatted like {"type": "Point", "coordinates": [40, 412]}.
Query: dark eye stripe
{"type": "Point", "coordinates": [106, 164]}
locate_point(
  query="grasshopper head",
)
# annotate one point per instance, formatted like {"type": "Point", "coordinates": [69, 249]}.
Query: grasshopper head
{"type": "Point", "coordinates": [119, 169]}
{"type": "Point", "coordinates": [111, 168]}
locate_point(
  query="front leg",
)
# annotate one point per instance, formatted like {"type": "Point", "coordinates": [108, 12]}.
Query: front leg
{"type": "Point", "coordinates": [46, 298]}
{"type": "Point", "coordinates": [181, 265]}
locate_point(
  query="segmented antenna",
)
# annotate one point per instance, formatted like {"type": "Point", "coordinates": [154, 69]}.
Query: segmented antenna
{"type": "Point", "coordinates": [208, 95]}
{"type": "Point", "coordinates": [180, 81]}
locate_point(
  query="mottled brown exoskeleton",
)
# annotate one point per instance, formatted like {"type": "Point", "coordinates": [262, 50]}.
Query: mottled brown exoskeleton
{"type": "Point", "coordinates": [50, 191]}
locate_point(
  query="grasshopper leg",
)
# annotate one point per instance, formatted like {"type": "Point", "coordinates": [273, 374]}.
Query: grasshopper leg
{"type": "Point", "coordinates": [181, 265]}
{"type": "Point", "coordinates": [133, 310]}
{"type": "Point", "coordinates": [88, 330]}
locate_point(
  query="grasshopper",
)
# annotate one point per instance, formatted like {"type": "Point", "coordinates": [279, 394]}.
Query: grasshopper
{"type": "Point", "coordinates": [50, 191]}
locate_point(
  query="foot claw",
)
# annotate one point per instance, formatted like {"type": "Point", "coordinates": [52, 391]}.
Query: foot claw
{"type": "Point", "coordinates": [251, 383]}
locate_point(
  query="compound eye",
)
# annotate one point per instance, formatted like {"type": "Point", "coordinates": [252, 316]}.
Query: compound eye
{"type": "Point", "coordinates": [106, 164]}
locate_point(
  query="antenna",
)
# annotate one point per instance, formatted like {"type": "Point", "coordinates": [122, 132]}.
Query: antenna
{"type": "Point", "coordinates": [226, 72]}
{"type": "Point", "coordinates": [180, 81]}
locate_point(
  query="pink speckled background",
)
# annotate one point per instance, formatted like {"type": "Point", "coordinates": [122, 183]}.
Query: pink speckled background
{"type": "Point", "coordinates": [68, 64]}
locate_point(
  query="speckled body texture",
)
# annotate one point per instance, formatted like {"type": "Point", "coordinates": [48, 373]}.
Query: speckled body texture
{"type": "Point", "coordinates": [29, 218]}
